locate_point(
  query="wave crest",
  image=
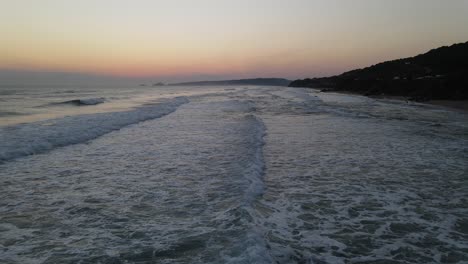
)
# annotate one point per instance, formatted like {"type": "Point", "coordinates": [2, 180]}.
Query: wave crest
{"type": "Point", "coordinates": [83, 102]}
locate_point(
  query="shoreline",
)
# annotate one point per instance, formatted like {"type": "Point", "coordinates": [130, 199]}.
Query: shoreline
{"type": "Point", "coordinates": [461, 105]}
{"type": "Point", "coordinates": [457, 105]}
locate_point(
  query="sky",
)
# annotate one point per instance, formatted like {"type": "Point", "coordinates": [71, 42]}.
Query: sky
{"type": "Point", "coordinates": [181, 40]}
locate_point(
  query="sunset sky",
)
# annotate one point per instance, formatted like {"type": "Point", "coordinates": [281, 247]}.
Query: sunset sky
{"type": "Point", "coordinates": [187, 39]}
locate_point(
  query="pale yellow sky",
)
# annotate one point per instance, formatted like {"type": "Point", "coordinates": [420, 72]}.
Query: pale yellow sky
{"type": "Point", "coordinates": [245, 38]}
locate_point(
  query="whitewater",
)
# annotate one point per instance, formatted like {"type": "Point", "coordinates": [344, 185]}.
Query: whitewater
{"type": "Point", "coordinates": [229, 174]}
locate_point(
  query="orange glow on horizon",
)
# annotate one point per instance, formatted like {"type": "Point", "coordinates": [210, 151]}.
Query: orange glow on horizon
{"type": "Point", "coordinates": [178, 38]}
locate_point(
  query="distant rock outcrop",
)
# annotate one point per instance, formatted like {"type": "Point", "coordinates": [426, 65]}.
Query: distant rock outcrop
{"type": "Point", "coordinates": [256, 81]}
{"type": "Point", "coordinates": [438, 74]}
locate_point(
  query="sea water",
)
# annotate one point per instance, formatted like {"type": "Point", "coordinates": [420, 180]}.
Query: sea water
{"type": "Point", "coordinates": [234, 174]}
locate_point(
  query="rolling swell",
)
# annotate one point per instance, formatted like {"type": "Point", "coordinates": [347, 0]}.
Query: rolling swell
{"type": "Point", "coordinates": [10, 113]}
{"type": "Point", "coordinates": [34, 138]}
{"type": "Point", "coordinates": [251, 247]}
{"type": "Point", "coordinates": [254, 171]}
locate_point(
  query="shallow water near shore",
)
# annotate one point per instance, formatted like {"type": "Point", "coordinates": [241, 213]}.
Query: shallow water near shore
{"type": "Point", "coordinates": [240, 174]}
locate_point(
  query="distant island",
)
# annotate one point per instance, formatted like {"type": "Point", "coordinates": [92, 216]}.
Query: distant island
{"type": "Point", "coordinates": [256, 81]}
{"type": "Point", "coordinates": [440, 74]}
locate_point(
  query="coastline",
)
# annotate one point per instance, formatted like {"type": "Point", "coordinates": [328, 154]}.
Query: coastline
{"type": "Point", "coordinates": [461, 105]}
{"type": "Point", "coordinates": [457, 105]}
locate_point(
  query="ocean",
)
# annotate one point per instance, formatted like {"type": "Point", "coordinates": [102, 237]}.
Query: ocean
{"type": "Point", "coordinates": [228, 174]}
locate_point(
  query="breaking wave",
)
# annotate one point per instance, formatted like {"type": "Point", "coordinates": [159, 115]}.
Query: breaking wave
{"type": "Point", "coordinates": [82, 102]}
{"type": "Point", "coordinates": [38, 137]}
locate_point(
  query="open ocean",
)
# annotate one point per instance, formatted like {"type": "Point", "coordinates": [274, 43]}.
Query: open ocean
{"type": "Point", "coordinates": [233, 174]}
